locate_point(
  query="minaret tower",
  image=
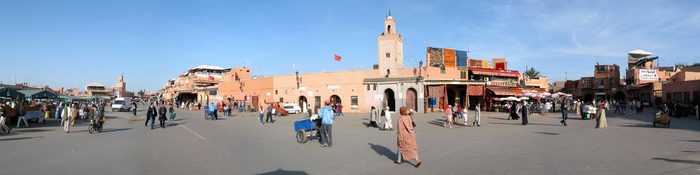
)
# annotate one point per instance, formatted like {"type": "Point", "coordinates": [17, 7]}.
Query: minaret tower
{"type": "Point", "coordinates": [390, 48]}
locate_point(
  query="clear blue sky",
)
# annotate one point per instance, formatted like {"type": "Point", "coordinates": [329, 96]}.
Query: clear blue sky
{"type": "Point", "coordinates": [72, 43]}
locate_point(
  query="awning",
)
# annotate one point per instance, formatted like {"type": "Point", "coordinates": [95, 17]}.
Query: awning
{"type": "Point", "coordinates": [502, 91]}
{"type": "Point", "coordinates": [528, 91]}
{"type": "Point", "coordinates": [38, 94]}
{"type": "Point", "coordinates": [7, 92]}
{"type": "Point", "coordinates": [72, 98]}
{"type": "Point", "coordinates": [495, 72]}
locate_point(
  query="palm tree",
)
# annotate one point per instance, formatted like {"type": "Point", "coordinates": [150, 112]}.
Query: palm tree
{"type": "Point", "coordinates": [532, 73]}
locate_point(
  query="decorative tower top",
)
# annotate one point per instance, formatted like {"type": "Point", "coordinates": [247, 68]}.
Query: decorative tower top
{"type": "Point", "coordinates": [121, 77]}
{"type": "Point", "coordinates": [390, 48]}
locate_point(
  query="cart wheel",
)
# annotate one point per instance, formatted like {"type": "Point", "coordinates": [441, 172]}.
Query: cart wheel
{"type": "Point", "coordinates": [91, 129]}
{"type": "Point", "coordinates": [301, 137]}
{"type": "Point", "coordinates": [99, 129]}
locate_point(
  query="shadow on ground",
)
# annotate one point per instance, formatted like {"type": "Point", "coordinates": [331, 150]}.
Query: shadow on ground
{"type": "Point", "coordinates": [284, 172]}
{"type": "Point", "coordinates": [547, 133]}
{"type": "Point", "coordinates": [695, 162]}
{"type": "Point", "coordinates": [174, 124]}
{"type": "Point", "coordinates": [381, 150]}
{"type": "Point", "coordinates": [19, 138]}
{"type": "Point", "coordinates": [116, 130]}
{"type": "Point", "coordinates": [438, 122]}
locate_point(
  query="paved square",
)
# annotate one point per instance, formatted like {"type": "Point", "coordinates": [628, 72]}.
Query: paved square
{"type": "Point", "coordinates": [240, 145]}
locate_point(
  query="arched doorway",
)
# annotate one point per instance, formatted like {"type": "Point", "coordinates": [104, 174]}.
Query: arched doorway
{"type": "Point", "coordinates": [389, 100]}
{"type": "Point", "coordinates": [335, 100]}
{"type": "Point", "coordinates": [619, 96]}
{"type": "Point", "coordinates": [411, 99]}
{"type": "Point", "coordinates": [303, 103]}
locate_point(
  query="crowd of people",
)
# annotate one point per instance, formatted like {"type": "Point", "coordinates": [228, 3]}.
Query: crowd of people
{"type": "Point", "coordinates": [68, 112]}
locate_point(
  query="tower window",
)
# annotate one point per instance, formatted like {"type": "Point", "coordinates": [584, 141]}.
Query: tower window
{"type": "Point", "coordinates": [388, 29]}
{"type": "Point", "coordinates": [388, 55]}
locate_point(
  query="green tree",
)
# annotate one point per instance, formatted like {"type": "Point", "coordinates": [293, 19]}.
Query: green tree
{"type": "Point", "coordinates": [532, 73]}
{"type": "Point", "coordinates": [141, 93]}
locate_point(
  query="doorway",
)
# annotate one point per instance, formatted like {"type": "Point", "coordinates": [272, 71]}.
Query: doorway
{"type": "Point", "coordinates": [303, 104]}
{"type": "Point", "coordinates": [389, 100]}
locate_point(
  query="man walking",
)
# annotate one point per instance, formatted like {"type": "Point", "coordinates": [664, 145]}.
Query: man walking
{"type": "Point", "coordinates": [327, 117]}
{"type": "Point", "coordinates": [151, 115]}
{"type": "Point", "coordinates": [564, 113]}
{"type": "Point", "coordinates": [161, 118]}
{"type": "Point", "coordinates": [133, 105]}
{"type": "Point", "coordinates": [269, 115]}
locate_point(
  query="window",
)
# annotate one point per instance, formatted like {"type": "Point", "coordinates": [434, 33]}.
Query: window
{"type": "Point", "coordinates": [353, 102]}
{"type": "Point", "coordinates": [601, 82]}
{"type": "Point", "coordinates": [367, 87]}
{"type": "Point", "coordinates": [281, 100]}
{"type": "Point", "coordinates": [375, 87]}
{"type": "Point", "coordinates": [275, 92]}
{"type": "Point", "coordinates": [600, 68]}
{"type": "Point", "coordinates": [442, 69]}
{"type": "Point", "coordinates": [388, 55]}
{"type": "Point", "coordinates": [463, 75]}
{"type": "Point", "coordinates": [212, 92]}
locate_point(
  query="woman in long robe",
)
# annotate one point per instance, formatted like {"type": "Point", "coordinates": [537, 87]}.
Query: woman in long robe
{"type": "Point", "coordinates": [406, 139]}
{"type": "Point", "coordinates": [601, 121]}
{"type": "Point", "coordinates": [524, 112]}
{"type": "Point", "coordinates": [514, 111]}
{"type": "Point", "coordinates": [578, 107]}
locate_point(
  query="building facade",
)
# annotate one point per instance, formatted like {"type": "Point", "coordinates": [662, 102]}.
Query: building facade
{"type": "Point", "coordinates": [427, 87]}
{"type": "Point", "coordinates": [607, 83]}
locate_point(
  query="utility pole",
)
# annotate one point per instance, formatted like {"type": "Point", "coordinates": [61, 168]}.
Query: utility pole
{"type": "Point", "coordinates": [566, 76]}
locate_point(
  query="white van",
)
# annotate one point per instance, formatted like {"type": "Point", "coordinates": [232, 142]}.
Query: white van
{"type": "Point", "coordinates": [121, 104]}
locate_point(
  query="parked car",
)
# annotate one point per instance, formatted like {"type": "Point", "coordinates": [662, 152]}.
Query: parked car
{"type": "Point", "coordinates": [292, 108]}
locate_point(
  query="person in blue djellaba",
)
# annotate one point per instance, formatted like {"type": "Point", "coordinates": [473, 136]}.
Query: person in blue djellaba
{"type": "Point", "coordinates": [327, 116]}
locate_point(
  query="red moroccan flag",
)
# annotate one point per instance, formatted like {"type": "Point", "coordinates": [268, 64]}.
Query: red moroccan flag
{"type": "Point", "coordinates": [337, 58]}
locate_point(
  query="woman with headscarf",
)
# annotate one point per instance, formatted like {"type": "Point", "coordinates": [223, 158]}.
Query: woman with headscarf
{"type": "Point", "coordinates": [600, 120]}
{"type": "Point", "coordinates": [407, 148]}
{"type": "Point", "coordinates": [74, 115]}
{"type": "Point", "coordinates": [372, 117]}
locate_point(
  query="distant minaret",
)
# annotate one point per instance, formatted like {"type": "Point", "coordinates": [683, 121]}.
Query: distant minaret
{"type": "Point", "coordinates": [121, 85]}
{"type": "Point", "coordinates": [390, 48]}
